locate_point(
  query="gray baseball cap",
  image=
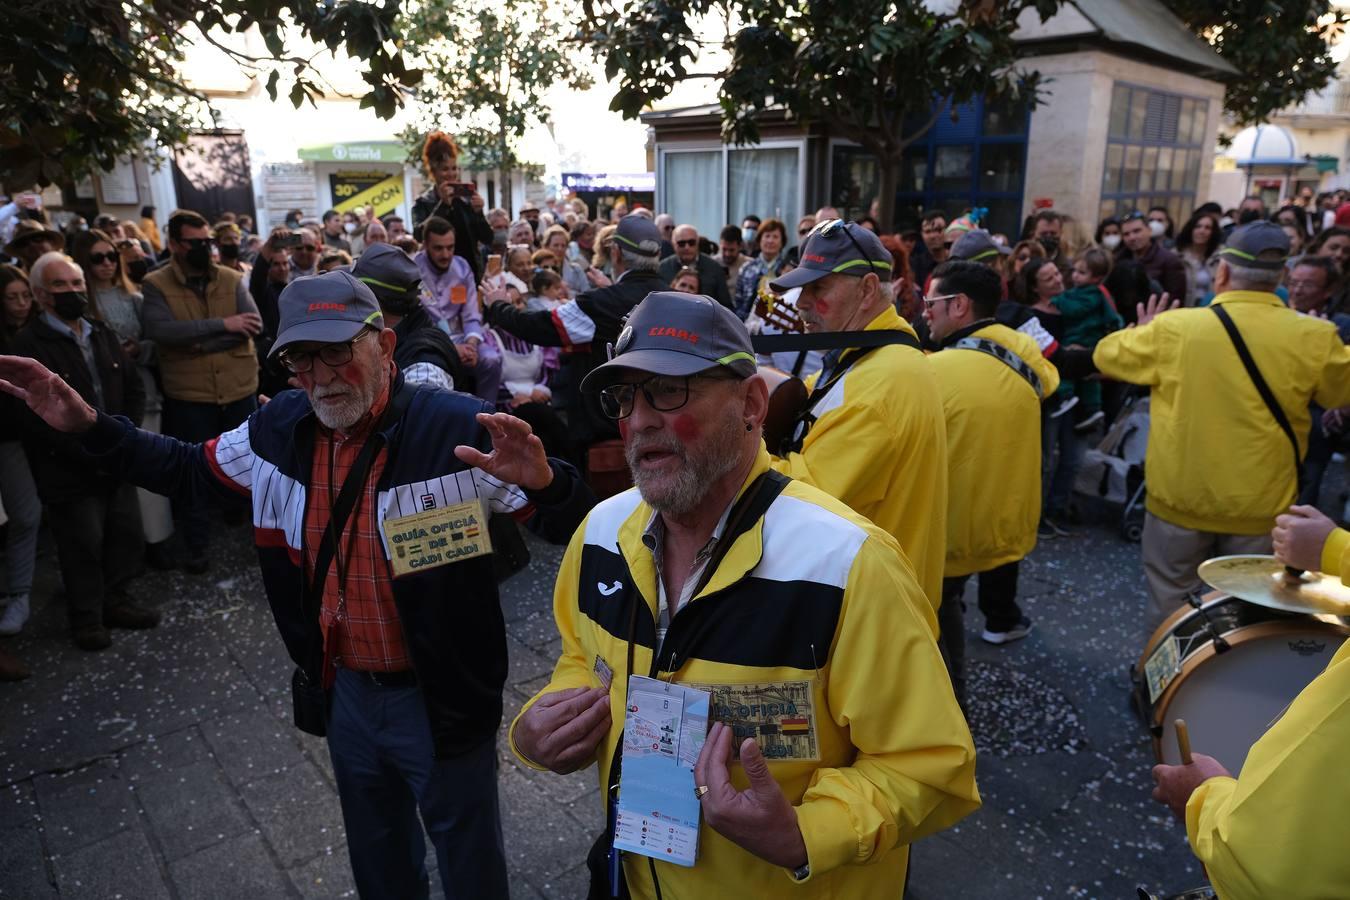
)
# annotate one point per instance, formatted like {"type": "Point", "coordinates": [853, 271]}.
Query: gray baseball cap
{"type": "Point", "coordinates": [639, 235]}
{"type": "Point", "coordinates": [671, 333]}
{"type": "Point", "coordinates": [390, 273]}
{"type": "Point", "coordinates": [1248, 242]}
{"type": "Point", "coordinates": [976, 245]}
{"type": "Point", "coordinates": [836, 247]}
{"type": "Point", "coordinates": [327, 309]}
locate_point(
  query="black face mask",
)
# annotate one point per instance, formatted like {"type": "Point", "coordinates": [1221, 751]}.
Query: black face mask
{"type": "Point", "coordinates": [69, 305]}
{"type": "Point", "coordinates": [1248, 215]}
{"type": "Point", "coordinates": [499, 237]}
{"type": "Point", "coordinates": [137, 269]}
{"type": "Point", "coordinates": [199, 257]}
{"type": "Point", "coordinates": [228, 251]}
{"type": "Point", "coordinates": [1050, 243]}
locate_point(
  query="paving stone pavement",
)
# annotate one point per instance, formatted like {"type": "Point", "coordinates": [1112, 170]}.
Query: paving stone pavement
{"type": "Point", "coordinates": [168, 766]}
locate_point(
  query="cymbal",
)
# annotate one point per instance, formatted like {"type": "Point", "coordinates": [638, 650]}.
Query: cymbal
{"type": "Point", "coordinates": [1263, 580]}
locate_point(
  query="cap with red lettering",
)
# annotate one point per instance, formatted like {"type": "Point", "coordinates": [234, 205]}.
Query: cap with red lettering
{"type": "Point", "coordinates": [326, 309]}
{"type": "Point", "coordinates": [836, 247]}
{"type": "Point", "coordinates": [672, 333]}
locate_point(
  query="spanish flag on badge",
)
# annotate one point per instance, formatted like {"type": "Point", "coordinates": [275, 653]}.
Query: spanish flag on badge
{"type": "Point", "coordinates": [797, 725]}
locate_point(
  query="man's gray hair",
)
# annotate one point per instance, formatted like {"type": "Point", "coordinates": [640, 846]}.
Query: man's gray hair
{"type": "Point", "coordinates": [1252, 278]}
{"type": "Point", "coordinates": [637, 262]}
{"type": "Point", "coordinates": [37, 276]}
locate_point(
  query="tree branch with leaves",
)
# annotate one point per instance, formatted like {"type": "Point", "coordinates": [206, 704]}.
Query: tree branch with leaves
{"type": "Point", "coordinates": [868, 70]}
{"type": "Point", "coordinates": [489, 65]}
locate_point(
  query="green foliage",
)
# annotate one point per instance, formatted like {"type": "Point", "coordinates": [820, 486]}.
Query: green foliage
{"type": "Point", "coordinates": [88, 81]}
{"type": "Point", "coordinates": [869, 70]}
{"type": "Point", "coordinates": [1280, 48]}
{"type": "Point", "coordinates": [488, 65]}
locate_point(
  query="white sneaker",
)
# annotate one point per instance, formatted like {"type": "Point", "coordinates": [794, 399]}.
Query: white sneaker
{"type": "Point", "coordinates": [1064, 406]}
{"type": "Point", "coordinates": [15, 616]}
{"type": "Point", "coordinates": [1016, 633]}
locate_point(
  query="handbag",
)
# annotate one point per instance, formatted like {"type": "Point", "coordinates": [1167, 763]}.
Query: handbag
{"type": "Point", "coordinates": [309, 699]}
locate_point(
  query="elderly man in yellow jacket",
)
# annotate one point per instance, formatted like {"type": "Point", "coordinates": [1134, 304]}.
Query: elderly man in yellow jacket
{"type": "Point", "coordinates": [992, 380]}
{"type": "Point", "coordinates": [717, 572]}
{"type": "Point", "coordinates": [874, 435]}
{"type": "Point", "coordinates": [1277, 829]}
{"type": "Point", "coordinates": [1220, 466]}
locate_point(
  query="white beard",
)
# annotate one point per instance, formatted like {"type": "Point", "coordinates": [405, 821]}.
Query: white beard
{"type": "Point", "coordinates": [346, 406]}
{"type": "Point", "coordinates": [680, 492]}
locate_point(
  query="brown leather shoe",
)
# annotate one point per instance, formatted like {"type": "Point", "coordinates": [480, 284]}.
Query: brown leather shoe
{"type": "Point", "coordinates": [129, 615]}
{"type": "Point", "coordinates": [92, 638]}
{"type": "Point", "coordinates": [12, 668]}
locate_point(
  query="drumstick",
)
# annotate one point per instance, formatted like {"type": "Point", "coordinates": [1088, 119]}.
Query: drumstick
{"type": "Point", "coordinates": [1183, 741]}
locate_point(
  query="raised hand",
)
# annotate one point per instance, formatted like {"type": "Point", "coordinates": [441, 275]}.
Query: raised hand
{"type": "Point", "coordinates": [759, 819]}
{"type": "Point", "coordinates": [562, 730]}
{"type": "Point", "coordinates": [517, 455]}
{"type": "Point", "coordinates": [1156, 306]}
{"type": "Point", "coordinates": [46, 394]}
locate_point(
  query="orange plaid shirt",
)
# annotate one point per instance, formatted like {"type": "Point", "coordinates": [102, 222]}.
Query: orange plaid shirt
{"type": "Point", "coordinates": [360, 623]}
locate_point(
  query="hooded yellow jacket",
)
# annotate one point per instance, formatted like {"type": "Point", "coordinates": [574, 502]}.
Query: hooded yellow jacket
{"type": "Point", "coordinates": [879, 444]}
{"type": "Point", "coordinates": [1217, 461]}
{"type": "Point", "coordinates": [993, 449]}
{"type": "Point", "coordinates": [814, 593]}
{"type": "Point", "coordinates": [1336, 554]}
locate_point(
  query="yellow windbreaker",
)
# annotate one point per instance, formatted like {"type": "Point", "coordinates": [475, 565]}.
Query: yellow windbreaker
{"type": "Point", "coordinates": [1217, 461]}
{"type": "Point", "coordinates": [993, 450]}
{"type": "Point", "coordinates": [811, 593]}
{"type": "Point", "coordinates": [1336, 554]}
{"type": "Point", "coordinates": [879, 444]}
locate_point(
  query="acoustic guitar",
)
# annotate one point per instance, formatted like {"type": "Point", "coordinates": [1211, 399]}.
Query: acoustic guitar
{"type": "Point", "coordinates": [787, 398]}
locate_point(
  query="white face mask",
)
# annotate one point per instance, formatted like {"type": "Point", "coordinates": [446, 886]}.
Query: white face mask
{"type": "Point", "coordinates": [349, 227]}
{"type": "Point", "coordinates": [1225, 222]}
{"type": "Point", "coordinates": [1156, 228]}
{"type": "Point", "coordinates": [1110, 241]}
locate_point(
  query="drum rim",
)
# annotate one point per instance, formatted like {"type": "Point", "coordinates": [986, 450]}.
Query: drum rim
{"type": "Point", "coordinates": [1181, 612]}
{"type": "Point", "coordinates": [1245, 634]}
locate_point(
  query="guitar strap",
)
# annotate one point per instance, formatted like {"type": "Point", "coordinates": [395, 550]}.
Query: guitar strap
{"type": "Point", "coordinates": [1003, 355]}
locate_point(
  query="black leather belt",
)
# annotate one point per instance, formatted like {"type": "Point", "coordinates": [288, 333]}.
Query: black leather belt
{"type": "Point", "coordinates": [406, 678]}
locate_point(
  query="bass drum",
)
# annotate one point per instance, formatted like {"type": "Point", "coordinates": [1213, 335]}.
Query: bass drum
{"type": "Point", "coordinates": [1229, 668]}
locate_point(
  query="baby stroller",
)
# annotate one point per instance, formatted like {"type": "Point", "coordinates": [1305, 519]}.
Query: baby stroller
{"type": "Point", "coordinates": [1113, 471]}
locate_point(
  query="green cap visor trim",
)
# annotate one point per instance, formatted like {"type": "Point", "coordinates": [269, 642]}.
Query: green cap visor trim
{"type": "Point", "coordinates": [370, 319]}
{"type": "Point", "coordinates": [985, 255]}
{"type": "Point", "coordinates": [853, 263]}
{"type": "Point", "coordinates": [740, 354]}
{"type": "Point", "coordinates": [1250, 260]}
{"type": "Point", "coordinates": [399, 288]}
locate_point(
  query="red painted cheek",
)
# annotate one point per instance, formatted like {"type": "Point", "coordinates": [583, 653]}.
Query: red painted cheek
{"type": "Point", "coordinates": [687, 428]}
{"type": "Point", "coordinates": [822, 307]}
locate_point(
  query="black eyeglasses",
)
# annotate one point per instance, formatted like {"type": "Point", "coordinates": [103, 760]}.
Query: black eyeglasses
{"type": "Point", "coordinates": [332, 355]}
{"type": "Point", "coordinates": [197, 242]}
{"type": "Point", "coordinates": [830, 226]}
{"type": "Point", "coordinates": [307, 248]}
{"type": "Point", "coordinates": [803, 232]}
{"type": "Point", "coordinates": [663, 393]}
{"type": "Point", "coordinates": [97, 258]}
{"type": "Point", "coordinates": [689, 243]}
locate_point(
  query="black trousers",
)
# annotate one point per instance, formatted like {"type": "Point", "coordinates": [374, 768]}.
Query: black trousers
{"type": "Point", "coordinates": [99, 546]}
{"type": "Point", "coordinates": [997, 592]}
{"type": "Point", "coordinates": [195, 423]}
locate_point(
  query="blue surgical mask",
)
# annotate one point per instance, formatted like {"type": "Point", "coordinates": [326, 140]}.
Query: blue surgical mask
{"type": "Point", "coordinates": [748, 235]}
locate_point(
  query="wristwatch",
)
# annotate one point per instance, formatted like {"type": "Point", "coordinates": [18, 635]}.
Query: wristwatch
{"type": "Point", "coordinates": [802, 872]}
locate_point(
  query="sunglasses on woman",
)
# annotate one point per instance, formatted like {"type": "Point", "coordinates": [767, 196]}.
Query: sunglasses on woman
{"type": "Point", "coordinates": [97, 258]}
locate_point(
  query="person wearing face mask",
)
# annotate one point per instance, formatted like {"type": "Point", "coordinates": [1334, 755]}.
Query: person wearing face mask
{"type": "Point", "coordinates": [1161, 264]}
{"type": "Point", "coordinates": [97, 523]}
{"type": "Point", "coordinates": [1161, 227]}
{"type": "Point", "coordinates": [203, 321]}
{"type": "Point", "coordinates": [750, 234]}
{"type": "Point", "coordinates": [1046, 227]}
{"type": "Point", "coordinates": [228, 238]}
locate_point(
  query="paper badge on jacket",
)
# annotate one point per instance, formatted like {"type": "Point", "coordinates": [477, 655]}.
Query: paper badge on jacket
{"type": "Point", "coordinates": [437, 537]}
{"type": "Point", "coordinates": [778, 715]}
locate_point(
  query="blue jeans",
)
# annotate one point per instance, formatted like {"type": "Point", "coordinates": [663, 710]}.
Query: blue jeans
{"type": "Point", "coordinates": [195, 423]}
{"type": "Point", "coordinates": [1061, 456]}
{"type": "Point", "coordinates": [380, 743]}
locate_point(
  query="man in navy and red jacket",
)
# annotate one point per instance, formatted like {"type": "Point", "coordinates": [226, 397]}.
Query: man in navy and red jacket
{"type": "Point", "coordinates": [411, 665]}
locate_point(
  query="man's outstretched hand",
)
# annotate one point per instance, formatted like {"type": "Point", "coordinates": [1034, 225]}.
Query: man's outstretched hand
{"type": "Point", "coordinates": [46, 394]}
{"type": "Point", "coordinates": [517, 455]}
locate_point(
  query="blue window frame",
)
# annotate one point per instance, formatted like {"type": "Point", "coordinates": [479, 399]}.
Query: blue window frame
{"type": "Point", "coordinates": [975, 158]}
{"type": "Point", "coordinates": [1154, 150]}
